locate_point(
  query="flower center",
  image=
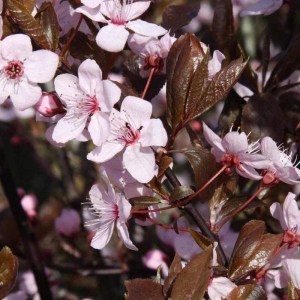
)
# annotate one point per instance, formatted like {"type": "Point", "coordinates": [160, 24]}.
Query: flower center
{"type": "Point", "coordinates": [119, 11]}
{"type": "Point", "coordinates": [129, 136]}
{"type": "Point", "coordinates": [153, 61]}
{"type": "Point", "coordinates": [231, 161]}
{"type": "Point", "coordinates": [14, 69]}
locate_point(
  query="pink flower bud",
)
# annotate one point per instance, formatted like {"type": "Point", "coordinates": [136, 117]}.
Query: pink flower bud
{"type": "Point", "coordinates": [49, 105]}
{"type": "Point", "coordinates": [29, 203]}
{"type": "Point", "coordinates": [68, 223]}
{"type": "Point", "coordinates": [154, 259]}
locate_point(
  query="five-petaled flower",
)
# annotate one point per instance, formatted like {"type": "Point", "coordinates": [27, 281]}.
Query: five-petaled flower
{"type": "Point", "coordinates": [132, 129]}
{"type": "Point", "coordinates": [88, 100]}
{"type": "Point", "coordinates": [21, 69]}
{"type": "Point", "coordinates": [236, 153]}
{"type": "Point", "coordinates": [120, 15]}
{"type": "Point", "coordinates": [109, 208]}
{"type": "Point", "coordinates": [289, 218]}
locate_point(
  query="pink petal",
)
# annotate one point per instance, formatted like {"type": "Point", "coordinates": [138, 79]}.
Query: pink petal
{"type": "Point", "coordinates": [91, 3]}
{"type": "Point", "coordinates": [110, 192]}
{"type": "Point", "coordinates": [49, 133]}
{"type": "Point", "coordinates": [16, 46]}
{"type": "Point", "coordinates": [66, 85]}
{"type": "Point", "coordinates": [124, 236]}
{"type": "Point", "coordinates": [235, 142]}
{"type": "Point", "coordinates": [25, 94]}
{"type": "Point", "coordinates": [68, 128]}
{"type": "Point", "coordinates": [99, 127]}
{"type": "Point", "coordinates": [291, 211]}
{"type": "Point", "coordinates": [89, 75]}
{"type": "Point", "coordinates": [124, 209]}
{"type": "Point", "coordinates": [213, 139]}
{"type": "Point", "coordinates": [138, 109]}
{"type": "Point", "coordinates": [277, 213]}
{"type": "Point", "coordinates": [111, 95]}
{"type": "Point", "coordinates": [92, 13]}
{"type": "Point", "coordinates": [140, 163]}
{"type": "Point", "coordinates": [95, 194]}
{"type": "Point", "coordinates": [138, 42]}
{"type": "Point", "coordinates": [269, 149]}
{"type": "Point", "coordinates": [103, 235]}
{"type": "Point", "coordinates": [41, 66]}
{"type": "Point", "coordinates": [220, 288]}
{"type": "Point", "coordinates": [145, 28]}
{"type": "Point", "coordinates": [136, 9]}
{"type": "Point", "coordinates": [262, 7]}
{"type": "Point", "coordinates": [214, 65]}
{"type": "Point", "coordinates": [292, 267]}
{"type": "Point", "coordinates": [153, 133]}
{"type": "Point", "coordinates": [112, 37]}
{"type": "Point", "coordinates": [289, 175]}
{"type": "Point", "coordinates": [256, 161]}
{"type": "Point", "coordinates": [248, 172]}
{"type": "Point", "coordinates": [105, 152]}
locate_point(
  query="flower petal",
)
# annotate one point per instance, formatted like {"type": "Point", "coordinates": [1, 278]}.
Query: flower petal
{"type": "Point", "coordinates": [25, 94]}
{"type": "Point", "coordinates": [145, 28]}
{"type": "Point", "coordinates": [16, 46]}
{"type": "Point", "coordinates": [137, 109]}
{"type": "Point", "coordinates": [89, 74]}
{"type": "Point", "coordinates": [153, 133]}
{"type": "Point", "coordinates": [112, 37]}
{"type": "Point", "coordinates": [68, 128]}
{"type": "Point", "coordinates": [213, 139]}
{"type": "Point", "coordinates": [277, 213]}
{"type": "Point", "coordinates": [41, 66]}
{"type": "Point", "coordinates": [111, 95]}
{"type": "Point", "coordinates": [124, 236]}
{"type": "Point", "coordinates": [214, 65]}
{"type": "Point", "coordinates": [136, 9]}
{"type": "Point", "coordinates": [105, 152]}
{"type": "Point", "coordinates": [66, 87]}
{"type": "Point", "coordinates": [220, 288]}
{"type": "Point", "coordinates": [292, 267]}
{"type": "Point", "coordinates": [234, 142]}
{"type": "Point", "coordinates": [99, 127]}
{"type": "Point", "coordinates": [291, 212]}
{"type": "Point", "coordinates": [103, 235]}
{"type": "Point", "coordinates": [262, 7]}
{"type": "Point", "coordinates": [91, 3]}
{"type": "Point", "coordinates": [248, 172]}
{"type": "Point", "coordinates": [92, 13]}
{"type": "Point", "coordinates": [140, 163]}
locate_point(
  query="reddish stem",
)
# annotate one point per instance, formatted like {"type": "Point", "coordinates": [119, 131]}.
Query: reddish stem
{"type": "Point", "coordinates": [70, 40]}
{"type": "Point", "coordinates": [166, 226]}
{"type": "Point", "coordinates": [238, 209]}
{"type": "Point", "coordinates": [185, 201]}
{"type": "Point", "coordinates": [148, 83]}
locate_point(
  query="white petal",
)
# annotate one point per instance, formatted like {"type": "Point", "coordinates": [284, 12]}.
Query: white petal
{"type": "Point", "coordinates": [68, 128]}
{"type": "Point", "coordinates": [103, 235]}
{"type": "Point", "coordinates": [112, 37]}
{"type": "Point", "coordinates": [25, 94]}
{"type": "Point", "coordinates": [220, 288]}
{"type": "Point", "coordinates": [213, 139]}
{"type": "Point", "coordinates": [91, 3]}
{"type": "Point", "coordinates": [92, 13]}
{"type": "Point", "coordinates": [136, 9]}
{"type": "Point", "coordinates": [124, 236]}
{"type": "Point", "coordinates": [105, 152]}
{"type": "Point", "coordinates": [214, 65]}
{"type": "Point", "coordinates": [140, 163]}
{"type": "Point", "coordinates": [41, 66]}
{"type": "Point", "coordinates": [292, 266]}
{"type": "Point", "coordinates": [138, 109]}
{"type": "Point", "coordinates": [95, 194]}
{"type": "Point", "coordinates": [235, 142]}
{"type": "Point", "coordinates": [145, 28]}
{"type": "Point", "coordinates": [153, 133]}
{"type": "Point", "coordinates": [16, 46]}
{"type": "Point", "coordinates": [137, 43]}
{"type": "Point", "coordinates": [5, 88]}
{"type": "Point", "coordinates": [248, 172]}
{"type": "Point", "coordinates": [48, 134]}
{"type": "Point", "coordinates": [66, 86]}
{"type": "Point", "coordinates": [111, 95]}
{"type": "Point", "coordinates": [99, 127]}
{"type": "Point", "coordinates": [89, 74]}
{"type": "Point", "coordinates": [277, 213]}
{"type": "Point", "coordinates": [291, 212]}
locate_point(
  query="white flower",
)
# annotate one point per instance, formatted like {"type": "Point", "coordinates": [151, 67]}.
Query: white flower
{"type": "Point", "coordinates": [88, 100]}
{"type": "Point", "coordinates": [21, 69]}
{"type": "Point", "coordinates": [132, 129]}
{"type": "Point", "coordinates": [120, 16]}
{"type": "Point", "coordinates": [110, 208]}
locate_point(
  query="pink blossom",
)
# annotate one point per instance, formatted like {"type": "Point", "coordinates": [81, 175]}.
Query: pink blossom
{"type": "Point", "coordinates": [289, 218]}
{"type": "Point", "coordinates": [49, 105]}
{"type": "Point", "coordinates": [109, 208]}
{"type": "Point", "coordinates": [120, 16]}
{"type": "Point", "coordinates": [29, 203]}
{"type": "Point", "coordinates": [154, 259]}
{"type": "Point", "coordinates": [88, 101]}
{"type": "Point", "coordinates": [292, 267]}
{"type": "Point", "coordinates": [262, 7]}
{"type": "Point", "coordinates": [281, 165]}
{"type": "Point", "coordinates": [68, 223]}
{"type": "Point", "coordinates": [21, 69]}
{"type": "Point", "coordinates": [235, 152]}
{"type": "Point", "coordinates": [215, 63]}
{"type": "Point", "coordinates": [152, 51]}
{"type": "Point", "coordinates": [133, 130]}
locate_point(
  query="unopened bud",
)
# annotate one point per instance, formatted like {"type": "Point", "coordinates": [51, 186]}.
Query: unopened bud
{"type": "Point", "coordinates": [49, 105]}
